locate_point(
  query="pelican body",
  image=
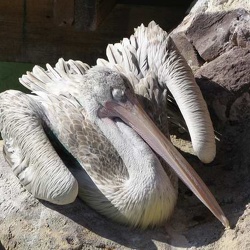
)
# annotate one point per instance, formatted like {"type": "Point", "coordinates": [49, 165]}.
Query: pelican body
{"type": "Point", "coordinates": [112, 120]}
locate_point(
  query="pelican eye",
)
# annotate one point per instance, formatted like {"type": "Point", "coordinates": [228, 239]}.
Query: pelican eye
{"type": "Point", "coordinates": [118, 94]}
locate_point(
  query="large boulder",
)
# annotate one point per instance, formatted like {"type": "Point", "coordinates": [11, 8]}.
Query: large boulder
{"type": "Point", "coordinates": [215, 39]}
{"type": "Point", "coordinates": [211, 28]}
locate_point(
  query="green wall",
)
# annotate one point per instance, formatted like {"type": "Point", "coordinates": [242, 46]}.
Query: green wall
{"type": "Point", "coordinates": [9, 74]}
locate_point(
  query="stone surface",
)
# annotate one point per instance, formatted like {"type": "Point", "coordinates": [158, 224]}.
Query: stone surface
{"type": "Point", "coordinates": [224, 80]}
{"type": "Point", "coordinates": [214, 33]}
{"type": "Point", "coordinates": [211, 28]}
{"type": "Point", "coordinates": [219, 5]}
{"type": "Point", "coordinates": [187, 50]}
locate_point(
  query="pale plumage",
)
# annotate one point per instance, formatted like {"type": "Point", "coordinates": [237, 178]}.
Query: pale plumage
{"type": "Point", "coordinates": [95, 115]}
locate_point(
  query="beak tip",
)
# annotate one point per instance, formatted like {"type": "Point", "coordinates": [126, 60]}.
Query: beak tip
{"type": "Point", "coordinates": [225, 222]}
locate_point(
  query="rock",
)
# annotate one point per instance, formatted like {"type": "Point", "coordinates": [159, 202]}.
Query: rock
{"type": "Point", "coordinates": [211, 6]}
{"type": "Point", "coordinates": [215, 40]}
{"type": "Point", "coordinates": [217, 34]}
{"type": "Point", "coordinates": [212, 34]}
{"type": "Point", "coordinates": [187, 49]}
{"type": "Point", "coordinates": [212, 28]}
{"type": "Point", "coordinates": [224, 80]}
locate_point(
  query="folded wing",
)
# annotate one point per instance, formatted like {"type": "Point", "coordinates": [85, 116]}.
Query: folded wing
{"type": "Point", "coordinates": [29, 152]}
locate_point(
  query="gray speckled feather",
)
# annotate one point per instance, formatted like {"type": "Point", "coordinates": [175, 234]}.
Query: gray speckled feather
{"type": "Point", "coordinates": [83, 139]}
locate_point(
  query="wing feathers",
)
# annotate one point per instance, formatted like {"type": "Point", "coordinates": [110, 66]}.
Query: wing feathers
{"type": "Point", "coordinates": [113, 54]}
{"type": "Point", "coordinates": [59, 80]}
{"type": "Point", "coordinates": [29, 152]}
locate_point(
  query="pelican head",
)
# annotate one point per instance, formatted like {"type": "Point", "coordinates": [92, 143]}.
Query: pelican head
{"type": "Point", "coordinates": [102, 85]}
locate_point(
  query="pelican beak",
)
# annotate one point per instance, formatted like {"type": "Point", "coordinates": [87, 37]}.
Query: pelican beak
{"type": "Point", "coordinates": [131, 112]}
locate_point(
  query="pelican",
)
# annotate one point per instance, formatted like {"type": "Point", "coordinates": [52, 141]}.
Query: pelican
{"type": "Point", "coordinates": [112, 120]}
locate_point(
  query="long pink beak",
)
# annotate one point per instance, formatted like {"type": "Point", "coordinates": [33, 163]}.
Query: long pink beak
{"type": "Point", "coordinates": [131, 112]}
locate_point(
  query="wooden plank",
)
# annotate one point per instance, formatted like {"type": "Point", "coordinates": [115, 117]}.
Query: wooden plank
{"type": "Point", "coordinates": [11, 11]}
{"type": "Point", "coordinates": [37, 11]}
{"type": "Point", "coordinates": [35, 37]}
{"type": "Point", "coordinates": [103, 7]}
{"type": "Point", "coordinates": [64, 12]}
{"type": "Point", "coordinates": [85, 11]}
